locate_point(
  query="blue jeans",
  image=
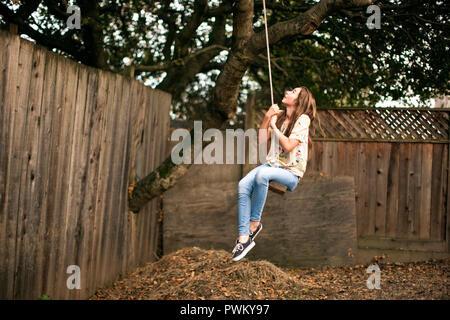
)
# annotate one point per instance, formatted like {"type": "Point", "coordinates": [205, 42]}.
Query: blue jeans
{"type": "Point", "coordinates": [257, 182]}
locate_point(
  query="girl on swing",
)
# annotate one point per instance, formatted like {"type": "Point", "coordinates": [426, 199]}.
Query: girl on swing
{"type": "Point", "coordinates": [285, 165]}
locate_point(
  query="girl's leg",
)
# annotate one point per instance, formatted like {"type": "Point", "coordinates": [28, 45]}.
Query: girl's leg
{"type": "Point", "coordinates": [245, 189]}
{"type": "Point", "coordinates": [262, 178]}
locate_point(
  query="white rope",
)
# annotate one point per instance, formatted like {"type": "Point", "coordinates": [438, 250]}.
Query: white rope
{"type": "Point", "coordinates": [268, 51]}
{"type": "Point", "coordinates": [270, 76]}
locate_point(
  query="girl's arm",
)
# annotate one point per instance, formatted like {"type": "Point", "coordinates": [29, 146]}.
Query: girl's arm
{"type": "Point", "coordinates": [286, 143]}
{"type": "Point", "coordinates": [263, 133]}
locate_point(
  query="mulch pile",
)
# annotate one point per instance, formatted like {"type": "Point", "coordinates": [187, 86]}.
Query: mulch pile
{"type": "Point", "coordinates": [194, 273]}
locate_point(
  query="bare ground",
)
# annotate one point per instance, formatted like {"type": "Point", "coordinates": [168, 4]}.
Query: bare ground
{"type": "Point", "coordinates": [194, 273]}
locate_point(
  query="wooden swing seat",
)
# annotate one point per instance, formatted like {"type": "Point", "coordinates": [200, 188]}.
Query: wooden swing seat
{"type": "Point", "coordinates": [277, 187]}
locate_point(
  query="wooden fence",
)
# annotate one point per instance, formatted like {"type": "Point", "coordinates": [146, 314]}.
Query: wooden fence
{"type": "Point", "coordinates": [72, 138]}
{"type": "Point", "coordinates": [399, 159]}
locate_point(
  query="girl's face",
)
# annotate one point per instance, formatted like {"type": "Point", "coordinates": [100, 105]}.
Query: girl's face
{"type": "Point", "coordinates": [290, 97]}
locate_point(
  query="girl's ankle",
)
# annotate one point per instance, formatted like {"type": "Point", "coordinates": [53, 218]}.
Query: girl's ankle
{"type": "Point", "coordinates": [256, 226]}
{"type": "Point", "coordinates": [243, 239]}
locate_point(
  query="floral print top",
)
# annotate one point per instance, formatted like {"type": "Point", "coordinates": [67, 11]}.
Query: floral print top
{"type": "Point", "coordinates": [296, 160]}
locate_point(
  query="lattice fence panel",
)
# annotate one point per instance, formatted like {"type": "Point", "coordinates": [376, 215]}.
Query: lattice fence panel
{"type": "Point", "coordinates": [381, 124]}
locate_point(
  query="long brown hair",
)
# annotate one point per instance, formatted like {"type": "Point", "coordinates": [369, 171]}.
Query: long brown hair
{"type": "Point", "coordinates": [306, 104]}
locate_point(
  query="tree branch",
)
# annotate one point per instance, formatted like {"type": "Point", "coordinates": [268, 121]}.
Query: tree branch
{"type": "Point", "coordinates": [179, 76]}
{"type": "Point", "coordinates": [222, 10]}
{"type": "Point", "coordinates": [171, 33]}
{"type": "Point", "coordinates": [183, 61]}
{"type": "Point", "coordinates": [263, 62]}
{"type": "Point", "coordinates": [304, 24]}
{"type": "Point", "coordinates": [242, 22]}
{"type": "Point", "coordinates": [28, 8]}
{"type": "Point", "coordinates": [212, 65]}
{"type": "Point", "coordinates": [184, 38]}
{"type": "Point", "coordinates": [296, 6]}
{"type": "Point", "coordinates": [58, 9]}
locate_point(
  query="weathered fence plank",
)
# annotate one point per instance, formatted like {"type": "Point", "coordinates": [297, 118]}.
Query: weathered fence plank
{"type": "Point", "coordinates": [90, 149]}
{"type": "Point", "coordinates": [416, 190]}
{"type": "Point", "coordinates": [29, 94]}
{"type": "Point", "coordinates": [104, 90]}
{"type": "Point", "coordinates": [362, 202]}
{"type": "Point", "coordinates": [425, 195]}
{"type": "Point", "coordinates": [77, 180]}
{"type": "Point", "coordinates": [111, 132]}
{"type": "Point", "coordinates": [13, 137]}
{"type": "Point", "coordinates": [4, 123]}
{"type": "Point", "coordinates": [53, 214]}
{"type": "Point", "coordinates": [68, 182]}
{"type": "Point", "coordinates": [392, 199]}
{"type": "Point", "coordinates": [44, 170]}
{"type": "Point", "coordinates": [372, 155]}
{"type": "Point", "coordinates": [121, 244]}
{"type": "Point", "coordinates": [437, 192]}
{"type": "Point", "coordinates": [382, 169]}
{"type": "Point", "coordinates": [148, 158]}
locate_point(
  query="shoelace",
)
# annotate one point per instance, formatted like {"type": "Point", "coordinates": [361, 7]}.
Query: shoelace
{"type": "Point", "coordinates": [239, 246]}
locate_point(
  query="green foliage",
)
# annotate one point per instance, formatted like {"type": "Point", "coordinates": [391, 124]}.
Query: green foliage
{"type": "Point", "coordinates": [45, 297]}
{"type": "Point", "coordinates": [343, 62]}
{"type": "Point", "coordinates": [347, 64]}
